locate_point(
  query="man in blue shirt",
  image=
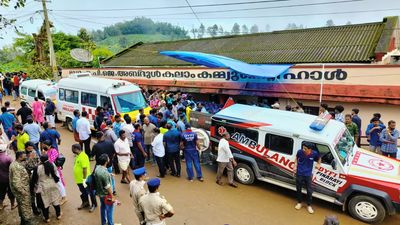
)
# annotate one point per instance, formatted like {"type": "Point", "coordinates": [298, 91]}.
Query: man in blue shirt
{"type": "Point", "coordinates": [303, 169]}
{"type": "Point", "coordinates": [50, 134]}
{"type": "Point", "coordinates": [373, 134]}
{"type": "Point", "coordinates": [77, 114]}
{"type": "Point", "coordinates": [7, 120]}
{"type": "Point", "coordinates": [153, 118]}
{"type": "Point", "coordinates": [33, 130]}
{"type": "Point", "coordinates": [389, 137]}
{"type": "Point", "coordinates": [138, 147]}
{"type": "Point", "coordinates": [357, 120]}
{"type": "Point", "coordinates": [172, 139]}
{"type": "Point", "coordinates": [190, 143]}
{"type": "Point", "coordinates": [181, 123]}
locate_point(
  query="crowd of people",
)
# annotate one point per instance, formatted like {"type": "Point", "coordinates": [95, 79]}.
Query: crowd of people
{"type": "Point", "coordinates": [34, 180]}
{"type": "Point", "coordinates": [10, 83]}
{"type": "Point", "coordinates": [382, 139]}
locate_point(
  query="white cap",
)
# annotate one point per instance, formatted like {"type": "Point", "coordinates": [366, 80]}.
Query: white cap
{"type": "Point", "coordinates": [275, 105]}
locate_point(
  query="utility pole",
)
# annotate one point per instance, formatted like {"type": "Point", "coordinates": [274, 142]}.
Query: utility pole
{"type": "Point", "coordinates": [53, 62]}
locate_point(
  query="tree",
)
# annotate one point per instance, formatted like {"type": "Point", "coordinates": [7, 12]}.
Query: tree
{"type": "Point", "coordinates": [221, 31]}
{"type": "Point", "coordinates": [194, 32]}
{"type": "Point", "coordinates": [235, 29]}
{"type": "Point", "coordinates": [245, 29]}
{"type": "Point", "coordinates": [123, 42]}
{"type": "Point", "coordinates": [348, 23]}
{"type": "Point", "coordinates": [5, 22]}
{"type": "Point", "coordinates": [267, 28]}
{"type": "Point", "coordinates": [329, 23]}
{"type": "Point", "coordinates": [254, 29]}
{"type": "Point", "coordinates": [201, 31]}
{"type": "Point", "coordinates": [292, 26]}
{"type": "Point", "coordinates": [213, 30]}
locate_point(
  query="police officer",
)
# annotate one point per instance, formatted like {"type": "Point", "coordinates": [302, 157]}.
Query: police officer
{"type": "Point", "coordinates": [154, 206]}
{"type": "Point", "coordinates": [190, 144]}
{"type": "Point", "coordinates": [137, 190]}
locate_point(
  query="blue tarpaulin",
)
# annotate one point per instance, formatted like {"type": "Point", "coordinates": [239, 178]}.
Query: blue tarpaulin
{"type": "Point", "coordinates": [217, 61]}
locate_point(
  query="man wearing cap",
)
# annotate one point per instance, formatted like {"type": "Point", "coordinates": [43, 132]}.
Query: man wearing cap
{"type": "Point", "coordinates": [303, 169]}
{"type": "Point", "coordinates": [137, 190]}
{"type": "Point", "coordinates": [154, 206]}
{"type": "Point", "coordinates": [189, 143]}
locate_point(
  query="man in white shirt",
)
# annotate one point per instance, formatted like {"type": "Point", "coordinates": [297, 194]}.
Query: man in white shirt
{"type": "Point", "coordinates": [225, 160]}
{"type": "Point", "coordinates": [123, 151]}
{"type": "Point", "coordinates": [159, 151]}
{"type": "Point", "coordinates": [83, 129]}
{"type": "Point", "coordinates": [129, 129]}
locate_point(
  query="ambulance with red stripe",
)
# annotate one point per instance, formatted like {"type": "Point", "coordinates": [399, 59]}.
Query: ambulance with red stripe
{"type": "Point", "coordinates": [85, 92]}
{"type": "Point", "coordinates": [264, 142]}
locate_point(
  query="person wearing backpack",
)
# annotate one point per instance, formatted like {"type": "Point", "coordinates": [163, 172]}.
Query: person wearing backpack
{"type": "Point", "coordinates": [81, 173]}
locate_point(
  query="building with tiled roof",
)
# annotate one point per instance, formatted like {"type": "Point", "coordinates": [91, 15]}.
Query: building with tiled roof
{"type": "Point", "coordinates": [358, 43]}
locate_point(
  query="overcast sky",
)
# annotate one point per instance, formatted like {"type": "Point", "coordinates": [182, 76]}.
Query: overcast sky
{"type": "Point", "coordinates": [277, 16]}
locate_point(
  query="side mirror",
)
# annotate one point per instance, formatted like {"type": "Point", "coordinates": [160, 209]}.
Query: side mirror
{"type": "Point", "coordinates": [333, 164]}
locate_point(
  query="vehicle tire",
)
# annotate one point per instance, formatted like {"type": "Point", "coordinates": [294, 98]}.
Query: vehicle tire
{"type": "Point", "coordinates": [244, 174]}
{"type": "Point", "coordinates": [68, 121]}
{"type": "Point", "coordinates": [367, 209]}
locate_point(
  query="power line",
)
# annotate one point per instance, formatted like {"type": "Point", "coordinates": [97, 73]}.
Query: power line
{"type": "Point", "coordinates": [245, 17]}
{"type": "Point", "coordinates": [173, 7]}
{"type": "Point", "coordinates": [215, 11]}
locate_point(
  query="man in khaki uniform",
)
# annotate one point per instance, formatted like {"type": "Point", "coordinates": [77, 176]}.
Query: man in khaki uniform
{"type": "Point", "coordinates": [154, 206]}
{"type": "Point", "coordinates": [19, 183]}
{"type": "Point", "coordinates": [137, 190]}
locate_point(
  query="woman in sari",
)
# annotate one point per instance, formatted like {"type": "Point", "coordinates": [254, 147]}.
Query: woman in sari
{"type": "Point", "coordinates": [52, 154]}
{"type": "Point", "coordinates": [38, 111]}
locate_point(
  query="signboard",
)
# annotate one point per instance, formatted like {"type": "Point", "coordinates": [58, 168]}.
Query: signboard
{"type": "Point", "coordinates": [344, 74]}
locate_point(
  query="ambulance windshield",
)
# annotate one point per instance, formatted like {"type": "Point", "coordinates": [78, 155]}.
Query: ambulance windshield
{"type": "Point", "coordinates": [344, 146]}
{"type": "Point", "coordinates": [129, 102]}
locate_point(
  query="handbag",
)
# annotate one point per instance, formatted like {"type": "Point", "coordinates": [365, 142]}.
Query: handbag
{"type": "Point", "coordinates": [76, 136]}
{"type": "Point", "coordinates": [60, 160]}
{"type": "Point", "coordinates": [108, 200]}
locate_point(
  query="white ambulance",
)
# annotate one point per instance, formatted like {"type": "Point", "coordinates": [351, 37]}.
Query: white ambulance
{"type": "Point", "coordinates": [42, 89]}
{"type": "Point", "coordinates": [265, 142]}
{"type": "Point", "coordinates": [85, 93]}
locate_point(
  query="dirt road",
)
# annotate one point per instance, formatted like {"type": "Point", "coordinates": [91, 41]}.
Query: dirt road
{"type": "Point", "coordinates": [197, 203]}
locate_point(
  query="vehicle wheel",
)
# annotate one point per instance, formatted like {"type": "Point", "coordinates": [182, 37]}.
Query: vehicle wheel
{"type": "Point", "coordinates": [69, 124]}
{"type": "Point", "coordinates": [367, 209]}
{"type": "Point", "coordinates": [244, 174]}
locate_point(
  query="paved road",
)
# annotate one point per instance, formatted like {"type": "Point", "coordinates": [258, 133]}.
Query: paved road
{"type": "Point", "coordinates": [198, 203]}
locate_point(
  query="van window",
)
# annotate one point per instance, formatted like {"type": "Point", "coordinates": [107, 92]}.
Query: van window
{"type": "Point", "coordinates": [71, 96]}
{"type": "Point", "coordinates": [279, 143]}
{"type": "Point", "coordinates": [24, 90]}
{"type": "Point", "coordinates": [324, 152]}
{"type": "Point", "coordinates": [89, 99]}
{"type": "Point", "coordinates": [105, 102]}
{"type": "Point", "coordinates": [61, 94]}
{"type": "Point", "coordinates": [41, 96]}
{"type": "Point", "coordinates": [32, 92]}
{"type": "Point", "coordinates": [252, 134]}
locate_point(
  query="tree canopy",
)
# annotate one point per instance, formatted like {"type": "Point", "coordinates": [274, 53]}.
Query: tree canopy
{"type": "Point", "coordinates": [140, 25]}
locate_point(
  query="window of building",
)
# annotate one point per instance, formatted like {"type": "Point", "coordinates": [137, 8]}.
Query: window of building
{"type": "Point", "coordinates": [24, 90]}
{"type": "Point", "coordinates": [32, 92]}
{"type": "Point", "coordinates": [89, 99]}
{"type": "Point", "coordinates": [279, 143]}
{"type": "Point", "coordinates": [71, 96]}
{"type": "Point", "coordinates": [61, 94]}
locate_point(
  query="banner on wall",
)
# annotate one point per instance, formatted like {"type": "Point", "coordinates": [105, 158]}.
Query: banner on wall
{"type": "Point", "coordinates": [356, 75]}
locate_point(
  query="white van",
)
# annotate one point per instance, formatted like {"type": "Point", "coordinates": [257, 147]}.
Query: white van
{"type": "Point", "coordinates": [265, 142]}
{"type": "Point", "coordinates": [42, 89]}
{"type": "Point", "coordinates": [85, 93]}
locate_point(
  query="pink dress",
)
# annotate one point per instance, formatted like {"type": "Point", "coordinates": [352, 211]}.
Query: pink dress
{"type": "Point", "coordinates": [38, 112]}
{"type": "Point", "coordinates": [52, 153]}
